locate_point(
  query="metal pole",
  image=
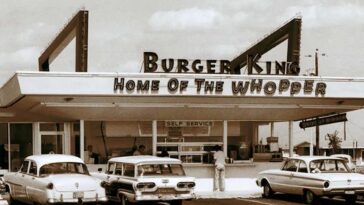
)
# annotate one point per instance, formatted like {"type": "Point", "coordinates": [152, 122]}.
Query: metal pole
{"type": "Point", "coordinates": [154, 137]}
{"type": "Point", "coordinates": [82, 140]}
{"type": "Point", "coordinates": [290, 138]}
{"type": "Point", "coordinates": [317, 150]}
{"type": "Point", "coordinates": [316, 62]}
{"type": "Point", "coordinates": [225, 136]}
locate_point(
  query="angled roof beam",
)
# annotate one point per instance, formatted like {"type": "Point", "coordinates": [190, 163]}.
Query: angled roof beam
{"type": "Point", "coordinates": [76, 28]}
{"type": "Point", "coordinates": [290, 31]}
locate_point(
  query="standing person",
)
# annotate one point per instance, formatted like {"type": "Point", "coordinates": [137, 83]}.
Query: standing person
{"type": "Point", "coordinates": [219, 159]}
{"type": "Point", "coordinates": [140, 150]}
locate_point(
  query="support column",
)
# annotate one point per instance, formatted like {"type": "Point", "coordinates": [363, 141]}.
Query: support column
{"type": "Point", "coordinates": [67, 138]}
{"type": "Point", "coordinates": [290, 138]}
{"type": "Point", "coordinates": [82, 140]}
{"type": "Point", "coordinates": [154, 137]}
{"type": "Point", "coordinates": [272, 129]}
{"type": "Point", "coordinates": [37, 141]}
{"type": "Point", "coordinates": [9, 149]}
{"type": "Point", "coordinates": [317, 150]}
{"type": "Point", "coordinates": [225, 135]}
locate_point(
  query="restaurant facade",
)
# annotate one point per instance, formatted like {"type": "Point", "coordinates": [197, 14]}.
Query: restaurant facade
{"type": "Point", "coordinates": [185, 114]}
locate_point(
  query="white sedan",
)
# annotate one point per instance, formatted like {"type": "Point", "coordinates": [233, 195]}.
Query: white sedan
{"type": "Point", "coordinates": [146, 178]}
{"type": "Point", "coordinates": [53, 178]}
{"type": "Point", "coordinates": [313, 177]}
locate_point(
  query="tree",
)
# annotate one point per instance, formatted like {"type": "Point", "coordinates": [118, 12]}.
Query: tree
{"type": "Point", "coordinates": [334, 141]}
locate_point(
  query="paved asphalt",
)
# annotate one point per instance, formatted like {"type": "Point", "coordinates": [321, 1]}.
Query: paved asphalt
{"type": "Point", "coordinates": [277, 199]}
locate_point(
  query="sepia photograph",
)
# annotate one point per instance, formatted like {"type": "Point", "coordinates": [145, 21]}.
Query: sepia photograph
{"type": "Point", "coordinates": [239, 102]}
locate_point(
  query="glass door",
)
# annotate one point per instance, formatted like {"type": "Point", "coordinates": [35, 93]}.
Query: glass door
{"type": "Point", "coordinates": [52, 138]}
{"type": "Point", "coordinates": [52, 144]}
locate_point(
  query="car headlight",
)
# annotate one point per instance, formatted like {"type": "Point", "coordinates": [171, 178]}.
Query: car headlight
{"type": "Point", "coordinates": [103, 184]}
{"type": "Point", "coordinates": [326, 184]}
{"type": "Point", "coordinates": [50, 186]}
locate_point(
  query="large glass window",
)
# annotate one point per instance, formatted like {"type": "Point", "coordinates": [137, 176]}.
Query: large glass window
{"type": "Point", "coordinates": [4, 151]}
{"type": "Point", "coordinates": [190, 141]}
{"type": "Point", "coordinates": [52, 144]}
{"type": "Point", "coordinates": [21, 146]}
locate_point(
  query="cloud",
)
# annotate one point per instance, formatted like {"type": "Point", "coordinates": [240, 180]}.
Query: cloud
{"type": "Point", "coordinates": [185, 19]}
{"type": "Point", "coordinates": [24, 58]}
{"type": "Point", "coordinates": [322, 15]}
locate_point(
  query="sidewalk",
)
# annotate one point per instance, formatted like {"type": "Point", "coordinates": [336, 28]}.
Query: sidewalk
{"type": "Point", "coordinates": [234, 188]}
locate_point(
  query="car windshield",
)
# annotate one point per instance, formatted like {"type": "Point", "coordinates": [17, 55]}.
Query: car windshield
{"type": "Point", "coordinates": [63, 168]}
{"type": "Point", "coordinates": [328, 165]}
{"type": "Point", "coordinates": [160, 170]}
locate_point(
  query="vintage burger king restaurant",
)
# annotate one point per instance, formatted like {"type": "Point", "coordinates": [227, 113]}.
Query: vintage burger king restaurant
{"type": "Point", "coordinates": [184, 107]}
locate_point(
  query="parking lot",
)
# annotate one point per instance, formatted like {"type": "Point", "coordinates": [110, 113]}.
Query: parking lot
{"type": "Point", "coordinates": [279, 199]}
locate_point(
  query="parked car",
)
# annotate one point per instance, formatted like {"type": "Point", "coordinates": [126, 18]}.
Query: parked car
{"type": "Point", "coordinates": [53, 178]}
{"type": "Point", "coordinates": [348, 159]}
{"type": "Point", "coordinates": [146, 178]}
{"type": "Point", "coordinates": [313, 177]}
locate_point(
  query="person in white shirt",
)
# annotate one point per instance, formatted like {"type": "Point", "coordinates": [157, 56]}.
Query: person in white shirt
{"type": "Point", "coordinates": [219, 159]}
{"type": "Point", "coordinates": [139, 151]}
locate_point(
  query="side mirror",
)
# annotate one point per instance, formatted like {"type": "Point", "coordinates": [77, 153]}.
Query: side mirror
{"type": "Point", "coordinates": [99, 169]}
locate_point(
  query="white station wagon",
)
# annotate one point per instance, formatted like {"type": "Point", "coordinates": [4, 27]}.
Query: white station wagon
{"type": "Point", "coordinates": [313, 177]}
{"type": "Point", "coordinates": [53, 178]}
{"type": "Point", "coordinates": [146, 178]}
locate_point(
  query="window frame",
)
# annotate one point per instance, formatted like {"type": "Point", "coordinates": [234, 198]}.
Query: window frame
{"type": "Point", "coordinates": [21, 168]}
{"type": "Point", "coordinates": [36, 168]}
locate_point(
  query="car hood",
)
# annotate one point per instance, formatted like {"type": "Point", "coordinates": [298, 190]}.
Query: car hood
{"type": "Point", "coordinates": [74, 182]}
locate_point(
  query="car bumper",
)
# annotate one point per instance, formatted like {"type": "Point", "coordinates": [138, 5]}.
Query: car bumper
{"type": "Point", "coordinates": [165, 197]}
{"type": "Point", "coordinates": [77, 201]}
{"type": "Point", "coordinates": [343, 191]}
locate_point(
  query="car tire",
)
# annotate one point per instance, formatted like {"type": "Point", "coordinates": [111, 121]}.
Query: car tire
{"type": "Point", "coordinates": [267, 190]}
{"type": "Point", "coordinates": [176, 202]}
{"type": "Point", "coordinates": [309, 197]}
{"type": "Point", "coordinates": [350, 199]}
{"type": "Point", "coordinates": [124, 200]}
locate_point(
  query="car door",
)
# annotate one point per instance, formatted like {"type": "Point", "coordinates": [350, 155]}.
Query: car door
{"type": "Point", "coordinates": [286, 179]}
{"type": "Point", "coordinates": [301, 178]}
{"type": "Point", "coordinates": [18, 185]}
{"type": "Point", "coordinates": [32, 183]}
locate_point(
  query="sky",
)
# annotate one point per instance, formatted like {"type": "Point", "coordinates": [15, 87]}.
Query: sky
{"type": "Point", "coordinates": [120, 31]}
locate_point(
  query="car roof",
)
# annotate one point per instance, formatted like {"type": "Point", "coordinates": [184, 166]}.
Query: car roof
{"type": "Point", "coordinates": [311, 158]}
{"type": "Point", "coordinates": [53, 158]}
{"type": "Point", "coordinates": [144, 159]}
{"type": "Point", "coordinates": [341, 155]}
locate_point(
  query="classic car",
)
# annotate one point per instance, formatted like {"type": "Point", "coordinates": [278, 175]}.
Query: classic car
{"type": "Point", "coordinates": [54, 178]}
{"type": "Point", "coordinates": [348, 159]}
{"type": "Point", "coordinates": [313, 177]}
{"type": "Point", "coordinates": [146, 178]}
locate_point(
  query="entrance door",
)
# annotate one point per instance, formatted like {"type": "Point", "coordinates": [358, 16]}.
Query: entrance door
{"type": "Point", "coordinates": [52, 143]}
